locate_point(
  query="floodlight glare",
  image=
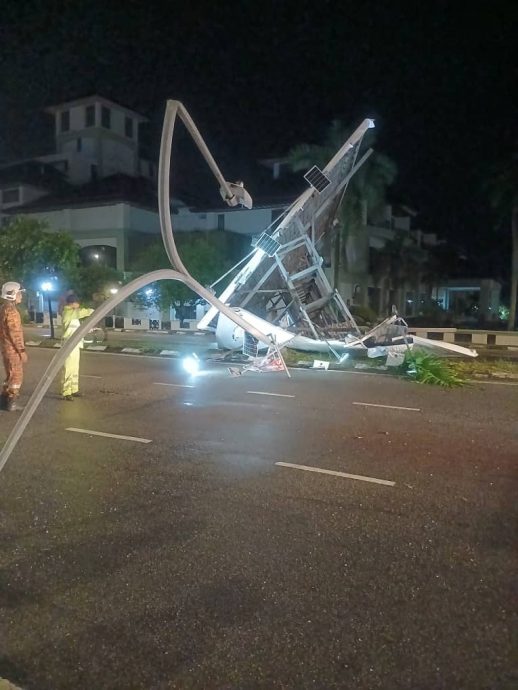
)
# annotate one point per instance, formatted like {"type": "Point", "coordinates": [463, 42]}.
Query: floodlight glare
{"type": "Point", "coordinates": [47, 286]}
{"type": "Point", "coordinates": [191, 365]}
{"type": "Point", "coordinates": [114, 291]}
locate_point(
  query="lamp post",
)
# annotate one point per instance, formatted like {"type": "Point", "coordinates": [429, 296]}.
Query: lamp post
{"type": "Point", "coordinates": [114, 291]}
{"type": "Point", "coordinates": [47, 288]}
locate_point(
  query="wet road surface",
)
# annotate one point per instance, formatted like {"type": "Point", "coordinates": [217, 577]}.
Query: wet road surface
{"type": "Point", "coordinates": [173, 551]}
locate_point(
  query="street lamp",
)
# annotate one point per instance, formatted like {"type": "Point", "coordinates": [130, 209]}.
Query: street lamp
{"type": "Point", "coordinates": [114, 291]}
{"type": "Point", "coordinates": [47, 287]}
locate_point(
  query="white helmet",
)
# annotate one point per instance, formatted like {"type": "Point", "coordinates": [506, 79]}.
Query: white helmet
{"type": "Point", "coordinates": [10, 290]}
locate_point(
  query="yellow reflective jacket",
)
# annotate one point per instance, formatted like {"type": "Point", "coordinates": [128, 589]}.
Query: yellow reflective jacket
{"type": "Point", "coordinates": [70, 320]}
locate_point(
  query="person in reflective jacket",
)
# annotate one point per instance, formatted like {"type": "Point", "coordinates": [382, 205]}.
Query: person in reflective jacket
{"type": "Point", "coordinates": [12, 345]}
{"type": "Point", "coordinates": [70, 322]}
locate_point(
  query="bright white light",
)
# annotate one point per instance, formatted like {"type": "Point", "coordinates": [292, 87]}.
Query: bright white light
{"type": "Point", "coordinates": [113, 291]}
{"type": "Point", "coordinates": [191, 365]}
{"type": "Point", "coordinates": [96, 256]}
{"type": "Point", "coordinates": [47, 286]}
{"type": "Point", "coordinates": [149, 292]}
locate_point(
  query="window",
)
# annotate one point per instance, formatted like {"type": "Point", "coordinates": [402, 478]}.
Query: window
{"type": "Point", "coordinates": [79, 144]}
{"type": "Point", "coordinates": [65, 120]}
{"type": "Point", "coordinates": [90, 116]}
{"type": "Point", "coordinates": [128, 127]}
{"type": "Point", "coordinates": [221, 221]}
{"type": "Point", "coordinates": [11, 196]}
{"type": "Point", "coordinates": [106, 117]}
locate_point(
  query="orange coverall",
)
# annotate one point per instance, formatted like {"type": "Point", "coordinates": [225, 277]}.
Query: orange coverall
{"type": "Point", "coordinates": [12, 346]}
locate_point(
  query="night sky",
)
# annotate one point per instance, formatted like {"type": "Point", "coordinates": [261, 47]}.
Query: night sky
{"type": "Point", "coordinates": [438, 77]}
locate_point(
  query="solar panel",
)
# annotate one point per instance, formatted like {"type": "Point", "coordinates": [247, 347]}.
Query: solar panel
{"type": "Point", "coordinates": [250, 345]}
{"type": "Point", "coordinates": [267, 244]}
{"type": "Point", "coordinates": [317, 179]}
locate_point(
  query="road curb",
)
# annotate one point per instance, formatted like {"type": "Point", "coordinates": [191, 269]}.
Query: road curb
{"type": "Point", "coordinates": [175, 354]}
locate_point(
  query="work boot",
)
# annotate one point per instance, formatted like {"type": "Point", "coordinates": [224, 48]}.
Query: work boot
{"type": "Point", "coordinates": [77, 394]}
{"type": "Point", "coordinates": [68, 398]}
{"type": "Point", "coordinates": [12, 405]}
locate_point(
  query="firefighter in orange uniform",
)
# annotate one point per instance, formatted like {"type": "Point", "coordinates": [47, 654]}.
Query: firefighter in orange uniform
{"type": "Point", "coordinates": [12, 345]}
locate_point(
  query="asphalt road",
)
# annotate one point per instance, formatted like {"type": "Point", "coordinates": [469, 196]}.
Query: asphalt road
{"type": "Point", "coordinates": [195, 561]}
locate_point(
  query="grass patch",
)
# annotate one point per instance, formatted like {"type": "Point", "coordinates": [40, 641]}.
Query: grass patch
{"type": "Point", "coordinates": [480, 367]}
{"type": "Point", "coordinates": [293, 356]}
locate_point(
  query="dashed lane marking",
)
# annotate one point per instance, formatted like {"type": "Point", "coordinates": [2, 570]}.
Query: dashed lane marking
{"type": "Point", "coordinates": [346, 475]}
{"type": "Point", "coordinates": [277, 395]}
{"type": "Point", "coordinates": [174, 385]}
{"type": "Point", "coordinates": [102, 433]}
{"type": "Point", "coordinates": [389, 407]}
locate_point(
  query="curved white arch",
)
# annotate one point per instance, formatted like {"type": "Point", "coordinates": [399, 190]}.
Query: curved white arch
{"type": "Point", "coordinates": [181, 274]}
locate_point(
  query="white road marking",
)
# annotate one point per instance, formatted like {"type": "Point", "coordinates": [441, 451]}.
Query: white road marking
{"type": "Point", "coordinates": [277, 395]}
{"type": "Point", "coordinates": [102, 433]}
{"type": "Point", "coordinates": [389, 407]}
{"type": "Point", "coordinates": [360, 477]}
{"type": "Point", "coordinates": [90, 376]}
{"type": "Point", "coordinates": [493, 383]}
{"type": "Point", "coordinates": [174, 385]}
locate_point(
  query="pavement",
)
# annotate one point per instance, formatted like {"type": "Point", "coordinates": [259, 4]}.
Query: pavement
{"type": "Point", "coordinates": [184, 342]}
{"type": "Point", "coordinates": [332, 530]}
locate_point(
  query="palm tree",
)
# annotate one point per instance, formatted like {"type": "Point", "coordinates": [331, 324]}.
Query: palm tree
{"type": "Point", "coordinates": [399, 265]}
{"type": "Point", "coordinates": [504, 198]}
{"type": "Point", "coordinates": [365, 194]}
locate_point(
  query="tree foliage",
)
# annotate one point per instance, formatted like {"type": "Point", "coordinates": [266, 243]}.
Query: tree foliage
{"type": "Point", "coordinates": [92, 283]}
{"type": "Point", "coordinates": [206, 257]}
{"type": "Point", "coordinates": [367, 189]}
{"type": "Point", "coordinates": [503, 187]}
{"type": "Point", "coordinates": [30, 251]}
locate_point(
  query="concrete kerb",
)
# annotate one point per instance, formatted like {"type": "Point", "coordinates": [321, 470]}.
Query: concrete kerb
{"type": "Point", "coordinates": [306, 364]}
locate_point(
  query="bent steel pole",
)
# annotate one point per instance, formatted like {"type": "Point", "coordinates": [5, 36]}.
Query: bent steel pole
{"type": "Point", "coordinates": [59, 358]}
{"type": "Point", "coordinates": [182, 275]}
{"type": "Point", "coordinates": [172, 109]}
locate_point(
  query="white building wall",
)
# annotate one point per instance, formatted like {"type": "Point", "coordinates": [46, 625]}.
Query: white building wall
{"type": "Point", "coordinates": [185, 221]}
{"type": "Point", "coordinates": [98, 241]}
{"type": "Point", "coordinates": [81, 219]}
{"type": "Point", "coordinates": [117, 157]}
{"type": "Point", "coordinates": [243, 222]}
{"type": "Point", "coordinates": [141, 219]}
{"type": "Point", "coordinates": [77, 117]}
{"type": "Point", "coordinates": [29, 193]}
{"type": "Point", "coordinates": [118, 120]}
